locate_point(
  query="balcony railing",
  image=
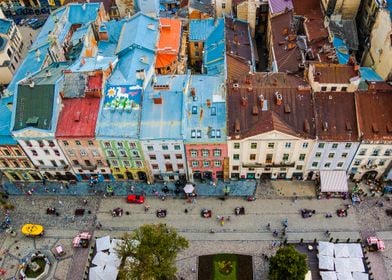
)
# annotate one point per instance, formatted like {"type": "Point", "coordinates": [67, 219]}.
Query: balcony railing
{"type": "Point", "coordinates": [88, 167]}
{"type": "Point", "coordinates": [268, 165]}
{"type": "Point", "coordinates": [53, 168]}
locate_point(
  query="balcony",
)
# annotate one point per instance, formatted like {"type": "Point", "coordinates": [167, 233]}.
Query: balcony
{"type": "Point", "coordinates": [88, 167]}
{"type": "Point", "coordinates": [53, 168]}
{"type": "Point", "coordinates": [268, 165]}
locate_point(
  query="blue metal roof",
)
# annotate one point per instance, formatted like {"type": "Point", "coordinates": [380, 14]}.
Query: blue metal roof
{"type": "Point", "coordinates": [368, 74]}
{"type": "Point", "coordinates": [147, 6]}
{"type": "Point", "coordinates": [200, 29]}
{"type": "Point", "coordinates": [82, 13]}
{"type": "Point", "coordinates": [79, 34]}
{"type": "Point", "coordinates": [342, 51]}
{"type": "Point", "coordinates": [206, 112]}
{"type": "Point", "coordinates": [166, 120]}
{"type": "Point", "coordinates": [140, 30]}
{"type": "Point", "coordinates": [5, 25]}
{"type": "Point", "coordinates": [214, 50]}
{"type": "Point", "coordinates": [113, 28]}
{"type": "Point", "coordinates": [5, 121]}
{"type": "Point", "coordinates": [125, 70]}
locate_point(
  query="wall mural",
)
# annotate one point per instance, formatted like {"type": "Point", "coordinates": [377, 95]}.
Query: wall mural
{"type": "Point", "coordinates": [122, 98]}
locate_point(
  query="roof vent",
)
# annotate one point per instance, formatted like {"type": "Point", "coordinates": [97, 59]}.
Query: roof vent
{"type": "Point", "coordinates": [244, 101]}
{"type": "Point", "coordinates": [325, 126]}
{"type": "Point", "coordinates": [237, 126]}
{"type": "Point", "coordinates": [151, 26]}
{"type": "Point", "coordinates": [48, 74]}
{"type": "Point", "coordinates": [330, 97]}
{"type": "Point", "coordinates": [235, 85]}
{"type": "Point", "coordinates": [255, 110]}
{"type": "Point", "coordinates": [33, 121]}
{"type": "Point", "coordinates": [144, 59]}
{"type": "Point", "coordinates": [158, 100]}
{"type": "Point", "coordinates": [31, 84]}
{"type": "Point", "coordinates": [193, 92]}
{"type": "Point", "coordinates": [375, 128]}
{"type": "Point", "coordinates": [77, 117]}
{"type": "Point", "coordinates": [279, 98]}
{"type": "Point", "coordinates": [348, 126]}
{"type": "Point", "coordinates": [208, 102]}
{"type": "Point", "coordinates": [287, 108]}
{"type": "Point", "coordinates": [261, 100]}
{"type": "Point", "coordinates": [389, 127]}
{"type": "Point", "coordinates": [306, 126]}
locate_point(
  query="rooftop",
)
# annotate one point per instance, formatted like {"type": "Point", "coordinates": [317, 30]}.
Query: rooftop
{"type": "Point", "coordinates": [78, 117]}
{"type": "Point", "coordinates": [374, 115]}
{"type": "Point", "coordinates": [335, 115]}
{"type": "Point", "coordinates": [267, 102]}
{"type": "Point", "coordinates": [334, 73]}
{"type": "Point", "coordinates": [214, 50]}
{"type": "Point", "coordinates": [5, 121]}
{"type": "Point", "coordinates": [284, 39]}
{"type": "Point", "coordinates": [342, 51]}
{"type": "Point", "coordinates": [200, 29]}
{"type": "Point", "coordinates": [169, 42]}
{"type": "Point", "coordinates": [238, 40]}
{"type": "Point", "coordinates": [279, 6]}
{"type": "Point", "coordinates": [5, 25]}
{"type": "Point", "coordinates": [162, 110]}
{"type": "Point", "coordinates": [205, 109]}
{"type": "Point", "coordinates": [205, 6]}
{"type": "Point", "coordinates": [347, 30]}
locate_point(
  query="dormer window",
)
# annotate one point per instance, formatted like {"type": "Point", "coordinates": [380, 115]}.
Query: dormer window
{"type": "Point", "coordinates": [198, 133]}
{"type": "Point", "coordinates": [194, 110]}
{"type": "Point", "coordinates": [193, 133]}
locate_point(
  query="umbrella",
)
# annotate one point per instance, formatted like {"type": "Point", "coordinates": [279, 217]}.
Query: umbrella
{"type": "Point", "coordinates": [189, 188]}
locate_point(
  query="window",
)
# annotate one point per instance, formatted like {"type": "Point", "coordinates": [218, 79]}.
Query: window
{"type": "Point", "coordinates": [236, 168]}
{"type": "Point", "coordinates": [287, 145]}
{"type": "Point", "coordinates": [387, 152]}
{"type": "Point", "coordinates": [340, 164]}
{"type": "Point", "coordinates": [344, 155]}
{"type": "Point", "coordinates": [165, 147]}
{"type": "Point", "coordinates": [318, 154]}
{"type": "Point", "coordinates": [71, 152]}
{"type": "Point", "coordinates": [193, 133]}
{"type": "Point", "coordinates": [180, 166]}
{"type": "Point", "coordinates": [95, 153]}
{"type": "Point", "coordinates": [331, 155]}
{"type": "Point", "coordinates": [236, 157]}
{"type": "Point", "coordinates": [236, 145]}
{"type": "Point", "coordinates": [90, 142]}
{"type": "Point", "coordinates": [381, 162]}
{"type": "Point", "coordinates": [206, 163]}
{"type": "Point", "coordinates": [217, 153]}
{"type": "Point", "coordinates": [132, 145]}
{"type": "Point", "coordinates": [114, 162]}
{"type": "Point", "coordinates": [54, 163]}
{"type": "Point", "coordinates": [253, 145]}
{"type": "Point", "coordinates": [122, 153]}
{"type": "Point", "coordinates": [217, 163]}
{"type": "Point", "coordinates": [334, 146]}
{"type": "Point", "coordinates": [323, 88]}
{"type": "Point", "coordinates": [139, 164]}
{"type": "Point", "coordinates": [205, 153]}
{"type": "Point", "coordinates": [198, 133]}
{"type": "Point", "coordinates": [65, 143]}
{"type": "Point", "coordinates": [252, 157]}
{"type": "Point", "coordinates": [321, 145]}
{"type": "Point", "coordinates": [83, 153]}
{"type": "Point", "coordinates": [153, 157]}
{"type": "Point", "coordinates": [347, 146]}
{"type": "Point", "coordinates": [362, 152]}
{"type": "Point", "coordinates": [218, 133]}
{"type": "Point", "coordinates": [305, 145]}
{"type": "Point", "coordinates": [166, 156]}
{"type": "Point", "coordinates": [314, 164]}
{"type": "Point", "coordinates": [178, 156]}
{"type": "Point", "coordinates": [77, 142]}
{"type": "Point", "coordinates": [195, 163]}
{"type": "Point", "coordinates": [271, 145]}
{"type": "Point", "coordinates": [120, 145]}
{"type": "Point", "coordinates": [375, 152]}
{"type": "Point", "coordinates": [56, 152]}
{"type": "Point", "coordinates": [194, 110]}
{"type": "Point", "coordinates": [213, 111]}
{"type": "Point", "coordinates": [107, 144]}
{"type": "Point", "coordinates": [177, 147]}
{"type": "Point", "coordinates": [41, 162]}
{"type": "Point", "coordinates": [99, 162]}
{"type": "Point", "coordinates": [344, 88]}
{"type": "Point", "coordinates": [197, 53]}
{"type": "Point", "coordinates": [34, 152]}
{"type": "Point", "coordinates": [299, 167]}
{"type": "Point", "coordinates": [110, 153]}
{"type": "Point", "coordinates": [327, 165]}
{"type": "Point", "coordinates": [285, 157]}
{"type": "Point", "coordinates": [333, 88]}
{"type": "Point", "coordinates": [268, 158]}
{"type": "Point", "coordinates": [193, 153]}
{"type": "Point", "coordinates": [87, 162]}
{"type": "Point", "coordinates": [223, 5]}
{"type": "Point", "coordinates": [126, 163]}
{"type": "Point", "coordinates": [302, 157]}
{"type": "Point", "coordinates": [169, 167]}
{"type": "Point", "coordinates": [154, 166]}
{"type": "Point", "coordinates": [150, 148]}
{"type": "Point", "coordinates": [47, 152]}
{"type": "Point", "coordinates": [357, 162]}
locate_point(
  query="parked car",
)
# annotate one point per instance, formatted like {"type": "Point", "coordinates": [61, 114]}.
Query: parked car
{"type": "Point", "coordinates": [31, 21]}
{"type": "Point", "coordinates": [133, 198]}
{"type": "Point", "coordinates": [38, 24]}
{"type": "Point", "coordinates": [37, 12]}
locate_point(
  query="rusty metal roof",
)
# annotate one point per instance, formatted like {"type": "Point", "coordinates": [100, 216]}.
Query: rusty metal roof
{"type": "Point", "coordinates": [334, 73]}
{"type": "Point", "coordinates": [269, 101]}
{"type": "Point", "coordinates": [335, 116]}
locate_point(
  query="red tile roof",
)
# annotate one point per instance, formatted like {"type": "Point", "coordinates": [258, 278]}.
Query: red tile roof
{"type": "Point", "coordinates": [248, 116]}
{"type": "Point", "coordinates": [94, 82]}
{"type": "Point", "coordinates": [287, 53]}
{"type": "Point", "coordinates": [78, 117]}
{"type": "Point", "coordinates": [334, 73]}
{"type": "Point", "coordinates": [374, 115]}
{"type": "Point", "coordinates": [335, 115]}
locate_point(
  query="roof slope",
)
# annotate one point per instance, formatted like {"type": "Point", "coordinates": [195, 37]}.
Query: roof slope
{"type": "Point", "coordinates": [279, 6]}
{"type": "Point", "coordinates": [5, 25]}
{"type": "Point", "coordinates": [78, 117]}
{"type": "Point", "coordinates": [200, 29]}
{"type": "Point", "coordinates": [248, 116]}
{"type": "Point", "coordinates": [5, 121]}
{"type": "Point", "coordinates": [169, 42]}
{"type": "Point", "coordinates": [334, 73]}
{"type": "Point", "coordinates": [336, 117]}
{"type": "Point", "coordinates": [214, 49]}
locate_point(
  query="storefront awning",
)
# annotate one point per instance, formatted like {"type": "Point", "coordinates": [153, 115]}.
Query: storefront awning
{"type": "Point", "coordinates": [333, 181]}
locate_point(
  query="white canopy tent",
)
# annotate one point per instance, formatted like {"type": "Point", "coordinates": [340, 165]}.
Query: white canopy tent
{"type": "Point", "coordinates": [103, 243]}
{"type": "Point", "coordinates": [342, 265]}
{"type": "Point", "coordinates": [110, 273]}
{"type": "Point", "coordinates": [333, 181]}
{"type": "Point", "coordinates": [328, 275]}
{"type": "Point", "coordinates": [95, 273]}
{"type": "Point", "coordinates": [355, 250]}
{"type": "Point", "coordinates": [360, 276]}
{"type": "Point", "coordinates": [100, 259]}
{"type": "Point", "coordinates": [325, 248]}
{"type": "Point", "coordinates": [356, 264]}
{"type": "Point", "coordinates": [326, 263]}
{"type": "Point", "coordinates": [344, 276]}
{"type": "Point", "coordinates": [341, 250]}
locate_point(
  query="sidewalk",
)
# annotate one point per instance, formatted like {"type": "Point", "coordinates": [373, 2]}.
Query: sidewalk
{"type": "Point", "coordinates": [237, 188]}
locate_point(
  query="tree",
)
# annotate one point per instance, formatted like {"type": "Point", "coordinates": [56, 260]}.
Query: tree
{"type": "Point", "coordinates": [288, 263]}
{"type": "Point", "coordinates": [150, 252]}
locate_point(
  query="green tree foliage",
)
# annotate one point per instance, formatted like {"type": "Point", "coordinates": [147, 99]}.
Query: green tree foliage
{"type": "Point", "coordinates": [150, 252]}
{"type": "Point", "coordinates": [288, 263]}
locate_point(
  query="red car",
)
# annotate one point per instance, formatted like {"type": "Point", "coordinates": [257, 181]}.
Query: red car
{"type": "Point", "coordinates": [133, 198]}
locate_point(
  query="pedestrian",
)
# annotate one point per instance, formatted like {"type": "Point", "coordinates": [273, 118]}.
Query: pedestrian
{"type": "Point", "coordinates": [193, 269]}
{"type": "Point", "coordinates": [269, 226]}
{"type": "Point", "coordinates": [66, 186]}
{"type": "Point", "coordinates": [85, 201]}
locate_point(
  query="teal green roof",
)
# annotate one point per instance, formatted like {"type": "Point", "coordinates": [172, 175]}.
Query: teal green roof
{"type": "Point", "coordinates": [5, 25]}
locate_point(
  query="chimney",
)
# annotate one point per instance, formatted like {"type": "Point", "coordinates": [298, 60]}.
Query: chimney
{"type": "Point", "coordinates": [77, 117]}
{"type": "Point", "coordinates": [306, 126]}
{"type": "Point", "coordinates": [158, 100]}
{"type": "Point", "coordinates": [279, 98]}
{"type": "Point", "coordinates": [201, 113]}
{"type": "Point", "coordinates": [237, 127]}
{"type": "Point", "coordinates": [348, 126]}
{"type": "Point", "coordinates": [255, 110]}
{"type": "Point", "coordinates": [193, 92]}
{"type": "Point", "coordinates": [325, 126]}
{"type": "Point", "coordinates": [244, 101]}
{"type": "Point", "coordinates": [375, 128]}
{"type": "Point", "coordinates": [208, 103]}
{"type": "Point", "coordinates": [261, 101]}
